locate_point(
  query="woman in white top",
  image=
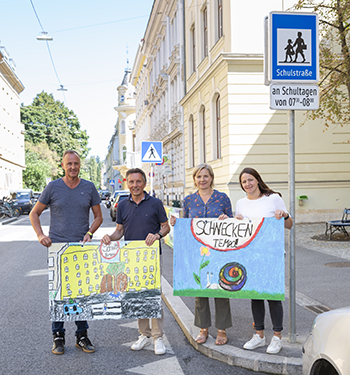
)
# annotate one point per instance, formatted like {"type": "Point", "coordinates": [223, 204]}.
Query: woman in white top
{"type": "Point", "coordinates": [261, 201]}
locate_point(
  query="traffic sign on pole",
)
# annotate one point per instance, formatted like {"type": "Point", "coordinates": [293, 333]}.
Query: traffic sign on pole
{"type": "Point", "coordinates": [151, 152]}
{"type": "Point", "coordinates": [293, 47]}
{"type": "Point", "coordinates": [294, 96]}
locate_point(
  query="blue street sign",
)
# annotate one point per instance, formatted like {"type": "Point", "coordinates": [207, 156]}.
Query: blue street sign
{"type": "Point", "coordinates": [151, 152]}
{"type": "Point", "coordinates": [111, 182]}
{"type": "Point", "coordinates": [293, 42]}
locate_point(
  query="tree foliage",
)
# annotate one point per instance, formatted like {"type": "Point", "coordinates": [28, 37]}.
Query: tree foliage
{"type": "Point", "coordinates": [51, 128]}
{"type": "Point", "coordinates": [36, 172]}
{"type": "Point", "coordinates": [334, 19]}
{"type": "Point", "coordinates": [91, 170]}
{"type": "Point", "coordinates": [49, 120]}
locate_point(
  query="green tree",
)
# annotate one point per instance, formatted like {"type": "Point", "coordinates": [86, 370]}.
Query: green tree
{"type": "Point", "coordinates": [36, 172]}
{"type": "Point", "coordinates": [91, 170]}
{"type": "Point", "coordinates": [334, 19]}
{"type": "Point", "coordinates": [49, 120]}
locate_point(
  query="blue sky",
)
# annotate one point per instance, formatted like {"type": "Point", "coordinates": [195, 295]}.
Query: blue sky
{"type": "Point", "coordinates": [90, 40]}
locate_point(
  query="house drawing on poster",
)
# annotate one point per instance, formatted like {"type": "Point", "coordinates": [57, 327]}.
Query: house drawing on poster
{"type": "Point", "coordinates": [95, 281]}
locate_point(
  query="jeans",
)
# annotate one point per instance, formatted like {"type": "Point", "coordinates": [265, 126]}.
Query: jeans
{"type": "Point", "coordinates": [82, 326]}
{"type": "Point", "coordinates": [276, 312]}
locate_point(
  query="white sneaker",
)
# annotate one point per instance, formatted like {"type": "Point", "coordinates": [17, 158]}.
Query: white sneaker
{"type": "Point", "coordinates": [275, 345]}
{"type": "Point", "coordinates": [140, 343]}
{"type": "Point", "coordinates": [159, 347]}
{"type": "Point", "coordinates": [255, 342]}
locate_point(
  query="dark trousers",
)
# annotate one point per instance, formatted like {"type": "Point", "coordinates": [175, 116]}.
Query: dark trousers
{"type": "Point", "coordinates": [202, 318]}
{"type": "Point", "coordinates": [82, 326]}
{"type": "Point", "coordinates": [276, 313]}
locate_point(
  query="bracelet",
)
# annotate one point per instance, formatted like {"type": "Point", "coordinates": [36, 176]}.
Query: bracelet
{"type": "Point", "coordinates": [287, 217]}
{"type": "Point", "coordinates": [160, 235]}
{"type": "Point", "coordinates": [89, 233]}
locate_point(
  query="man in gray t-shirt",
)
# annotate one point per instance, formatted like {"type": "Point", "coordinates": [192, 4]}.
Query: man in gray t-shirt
{"type": "Point", "coordinates": [70, 199]}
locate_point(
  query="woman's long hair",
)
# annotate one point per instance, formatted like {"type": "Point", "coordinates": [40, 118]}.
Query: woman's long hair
{"type": "Point", "coordinates": [264, 189]}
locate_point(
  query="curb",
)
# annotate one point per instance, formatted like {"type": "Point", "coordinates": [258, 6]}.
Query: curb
{"type": "Point", "coordinates": [7, 221]}
{"type": "Point", "coordinates": [273, 364]}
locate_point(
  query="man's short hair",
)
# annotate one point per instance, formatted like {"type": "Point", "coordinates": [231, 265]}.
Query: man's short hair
{"type": "Point", "coordinates": [136, 170]}
{"type": "Point", "coordinates": [70, 152]}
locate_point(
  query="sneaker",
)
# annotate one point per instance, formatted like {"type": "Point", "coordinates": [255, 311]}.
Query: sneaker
{"type": "Point", "coordinates": [275, 345]}
{"type": "Point", "coordinates": [84, 343]}
{"type": "Point", "coordinates": [255, 342]}
{"type": "Point", "coordinates": [58, 343]}
{"type": "Point", "coordinates": [159, 347]}
{"type": "Point", "coordinates": [140, 343]}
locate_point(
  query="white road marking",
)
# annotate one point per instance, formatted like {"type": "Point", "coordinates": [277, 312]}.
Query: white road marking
{"type": "Point", "coordinates": [169, 366]}
{"type": "Point", "coordinates": [42, 272]}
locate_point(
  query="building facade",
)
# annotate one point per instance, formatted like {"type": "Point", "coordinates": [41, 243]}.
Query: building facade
{"type": "Point", "coordinates": [158, 77]}
{"type": "Point", "coordinates": [12, 156]}
{"type": "Point", "coordinates": [227, 119]}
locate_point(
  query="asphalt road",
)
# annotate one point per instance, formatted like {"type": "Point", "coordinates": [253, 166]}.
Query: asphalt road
{"type": "Point", "coordinates": [25, 329]}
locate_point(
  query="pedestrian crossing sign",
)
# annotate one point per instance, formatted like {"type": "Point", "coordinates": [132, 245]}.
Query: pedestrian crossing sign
{"type": "Point", "coordinates": [151, 152]}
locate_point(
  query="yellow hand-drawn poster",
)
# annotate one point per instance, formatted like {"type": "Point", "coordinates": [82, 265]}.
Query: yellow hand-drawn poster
{"type": "Point", "coordinates": [95, 281]}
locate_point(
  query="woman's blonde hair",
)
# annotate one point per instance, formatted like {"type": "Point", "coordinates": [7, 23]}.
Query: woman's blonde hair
{"type": "Point", "coordinates": [198, 169]}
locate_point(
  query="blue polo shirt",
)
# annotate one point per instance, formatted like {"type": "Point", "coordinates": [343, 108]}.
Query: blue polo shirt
{"type": "Point", "coordinates": [140, 219]}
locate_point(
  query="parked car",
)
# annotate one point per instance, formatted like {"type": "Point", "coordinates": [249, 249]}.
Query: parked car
{"type": "Point", "coordinates": [114, 196]}
{"type": "Point", "coordinates": [113, 210]}
{"type": "Point", "coordinates": [326, 350]}
{"type": "Point", "coordinates": [25, 199]}
{"type": "Point", "coordinates": [104, 194]}
{"type": "Point", "coordinates": [37, 195]}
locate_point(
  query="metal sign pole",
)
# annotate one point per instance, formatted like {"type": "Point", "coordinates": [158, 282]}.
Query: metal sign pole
{"type": "Point", "coordinates": [152, 178]}
{"type": "Point", "coordinates": [291, 190]}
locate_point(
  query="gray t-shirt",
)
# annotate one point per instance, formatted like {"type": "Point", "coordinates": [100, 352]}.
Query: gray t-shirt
{"type": "Point", "coordinates": [69, 209]}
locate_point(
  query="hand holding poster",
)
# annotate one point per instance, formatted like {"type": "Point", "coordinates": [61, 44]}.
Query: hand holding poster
{"type": "Point", "coordinates": [229, 258]}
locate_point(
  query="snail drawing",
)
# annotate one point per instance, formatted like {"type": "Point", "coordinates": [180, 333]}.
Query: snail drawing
{"type": "Point", "coordinates": [232, 277]}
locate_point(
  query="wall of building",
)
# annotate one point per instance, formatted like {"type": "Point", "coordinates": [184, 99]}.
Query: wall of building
{"type": "Point", "coordinates": [252, 134]}
{"type": "Point", "coordinates": [158, 77]}
{"type": "Point", "coordinates": [12, 159]}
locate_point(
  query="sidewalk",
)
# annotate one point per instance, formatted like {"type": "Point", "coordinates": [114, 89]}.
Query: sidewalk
{"type": "Point", "coordinates": [289, 360]}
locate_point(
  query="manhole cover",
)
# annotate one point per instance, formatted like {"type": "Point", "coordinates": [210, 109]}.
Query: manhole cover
{"type": "Point", "coordinates": [338, 264]}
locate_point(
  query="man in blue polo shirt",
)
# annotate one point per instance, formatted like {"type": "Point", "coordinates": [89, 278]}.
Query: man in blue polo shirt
{"type": "Point", "coordinates": [141, 217]}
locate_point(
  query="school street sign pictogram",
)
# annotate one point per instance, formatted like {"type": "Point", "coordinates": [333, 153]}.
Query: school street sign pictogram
{"type": "Point", "coordinates": [293, 47]}
{"type": "Point", "coordinates": [152, 152]}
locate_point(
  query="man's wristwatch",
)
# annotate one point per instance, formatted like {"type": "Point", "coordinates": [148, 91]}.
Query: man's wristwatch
{"type": "Point", "coordinates": [160, 235]}
{"type": "Point", "coordinates": [90, 234]}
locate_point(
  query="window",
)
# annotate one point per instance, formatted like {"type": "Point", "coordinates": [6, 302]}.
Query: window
{"type": "Point", "coordinates": [122, 127]}
{"type": "Point", "coordinates": [203, 126]}
{"type": "Point", "coordinates": [124, 154]}
{"type": "Point", "coordinates": [205, 32]}
{"type": "Point", "coordinates": [202, 138]}
{"type": "Point", "coordinates": [218, 127]}
{"type": "Point", "coordinates": [193, 48]}
{"type": "Point", "coordinates": [219, 19]}
{"type": "Point", "coordinates": [191, 142]}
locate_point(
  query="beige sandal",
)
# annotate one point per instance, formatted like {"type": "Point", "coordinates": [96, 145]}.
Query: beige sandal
{"type": "Point", "coordinates": [221, 338]}
{"type": "Point", "coordinates": [203, 336]}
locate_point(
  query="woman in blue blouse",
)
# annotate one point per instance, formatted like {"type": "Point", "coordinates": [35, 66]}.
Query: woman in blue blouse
{"type": "Point", "coordinates": [207, 202]}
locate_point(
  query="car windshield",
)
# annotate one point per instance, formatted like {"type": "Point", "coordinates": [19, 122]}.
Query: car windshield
{"type": "Point", "coordinates": [20, 195]}
{"type": "Point", "coordinates": [121, 197]}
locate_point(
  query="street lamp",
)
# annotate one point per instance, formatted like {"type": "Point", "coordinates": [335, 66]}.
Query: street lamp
{"type": "Point", "coordinates": [62, 88]}
{"type": "Point", "coordinates": [44, 36]}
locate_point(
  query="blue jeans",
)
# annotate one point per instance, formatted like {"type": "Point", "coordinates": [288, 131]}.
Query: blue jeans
{"type": "Point", "coordinates": [82, 326]}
